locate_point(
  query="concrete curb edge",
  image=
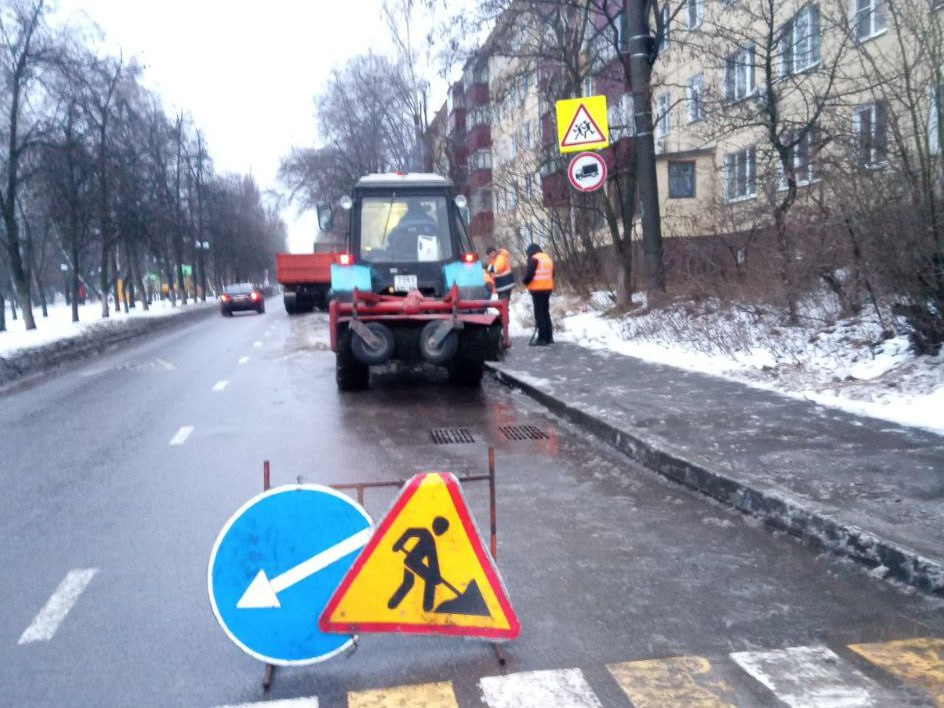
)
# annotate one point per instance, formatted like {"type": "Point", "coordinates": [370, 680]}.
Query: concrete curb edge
{"type": "Point", "coordinates": [815, 528]}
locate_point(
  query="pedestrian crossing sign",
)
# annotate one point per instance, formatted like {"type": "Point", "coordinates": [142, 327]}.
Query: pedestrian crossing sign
{"type": "Point", "coordinates": [425, 570]}
{"type": "Point", "coordinates": [582, 124]}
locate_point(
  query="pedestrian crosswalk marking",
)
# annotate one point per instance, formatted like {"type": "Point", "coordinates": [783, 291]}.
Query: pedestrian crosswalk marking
{"type": "Point", "coordinates": [564, 688]}
{"type": "Point", "coordinates": [812, 677]}
{"type": "Point", "coordinates": [919, 661]}
{"type": "Point", "coordinates": [681, 680]}
{"type": "Point", "coordinates": [427, 695]}
{"type": "Point", "coordinates": [306, 702]}
{"type": "Point", "coordinates": [46, 623]}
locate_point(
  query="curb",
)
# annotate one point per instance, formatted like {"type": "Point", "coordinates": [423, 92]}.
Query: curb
{"type": "Point", "coordinates": [774, 507]}
{"type": "Point", "coordinates": [21, 368]}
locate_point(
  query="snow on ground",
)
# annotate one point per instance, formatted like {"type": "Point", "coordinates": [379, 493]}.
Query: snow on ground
{"type": "Point", "coordinates": [59, 325]}
{"type": "Point", "coordinates": [848, 364]}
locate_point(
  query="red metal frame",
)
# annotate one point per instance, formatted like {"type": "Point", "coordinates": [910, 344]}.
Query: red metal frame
{"type": "Point", "coordinates": [415, 306]}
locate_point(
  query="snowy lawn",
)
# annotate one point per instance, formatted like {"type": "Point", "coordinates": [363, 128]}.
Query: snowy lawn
{"type": "Point", "coordinates": [59, 325]}
{"type": "Point", "coordinates": [847, 364]}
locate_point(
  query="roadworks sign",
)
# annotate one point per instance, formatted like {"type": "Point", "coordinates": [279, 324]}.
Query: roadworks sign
{"type": "Point", "coordinates": [424, 571]}
{"type": "Point", "coordinates": [582, 124]}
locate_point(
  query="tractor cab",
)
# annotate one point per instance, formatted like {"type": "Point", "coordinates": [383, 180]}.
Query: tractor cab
{"type": "Point", "coordinates": [410, 286]}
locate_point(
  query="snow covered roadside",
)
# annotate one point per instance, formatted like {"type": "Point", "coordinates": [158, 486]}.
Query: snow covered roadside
{"type": "Point", "coordinates": [845, 364]}
{"type": "Point", "coordinates": [59, 326]}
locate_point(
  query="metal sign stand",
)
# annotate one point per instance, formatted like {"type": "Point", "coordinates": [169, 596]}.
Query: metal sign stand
{"type": "Point", "coordinates": [361, 487]}
{"type": "Point", "coordinates": [269, 668]}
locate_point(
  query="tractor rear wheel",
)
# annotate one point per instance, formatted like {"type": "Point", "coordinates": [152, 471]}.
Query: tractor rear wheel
{"type": "Point", "coordinates": [350, 374]}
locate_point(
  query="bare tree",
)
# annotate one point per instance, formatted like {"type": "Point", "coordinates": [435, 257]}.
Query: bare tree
{"type": "Point", "coordinates": [25, 48]}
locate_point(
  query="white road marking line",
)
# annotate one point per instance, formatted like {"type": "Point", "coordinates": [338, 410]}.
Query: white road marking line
{"type": "Point", "coordinates": [257, 344]}
{"type": "Point", "coordinates": [812, 677]}
{"type": "Point", "coordinates": [564, 688]}
{"type": "Point", "coordinates": [309, 702]}
{"type": "Point", "coordinates": [181, 437]}
{"type": "Point", "coordinates": [166, 365]}
{"type": "Point", "coordinates": [46, 623]}
{"type": "Point", "coordinates": [243, 359]}
{"type": "Point", "coordinates": [262, 591]}
{"type": "Point", "coordinates": [220, 385]}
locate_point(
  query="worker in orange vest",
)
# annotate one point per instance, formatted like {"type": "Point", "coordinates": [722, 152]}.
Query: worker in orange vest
{"type": "Point", "coordinates": [539, 279]}
{"type": "Point", "coordinates": [500, 267]}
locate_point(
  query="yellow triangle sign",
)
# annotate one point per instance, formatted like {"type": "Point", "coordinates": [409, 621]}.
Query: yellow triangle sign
{"type": "Point", "coordinates": [425, 570]}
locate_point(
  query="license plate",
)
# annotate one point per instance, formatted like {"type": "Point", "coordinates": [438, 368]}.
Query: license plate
{"type": "Point", "coordinates": [404, 283]}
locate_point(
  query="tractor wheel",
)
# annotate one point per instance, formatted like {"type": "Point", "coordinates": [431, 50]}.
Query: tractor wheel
{"type": "Point", "coordinates": [374, 356]}
{"type": "Point", "coordinates": [351, 374]}
{"type": "Point", "coordinates": [447, 348]}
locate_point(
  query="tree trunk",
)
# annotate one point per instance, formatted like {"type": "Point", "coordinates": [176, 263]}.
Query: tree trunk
{"type": "Point", "coordinates": [103, 279]}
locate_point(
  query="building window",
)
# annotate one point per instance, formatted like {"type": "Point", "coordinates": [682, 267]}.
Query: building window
{"type": "Point", "coordinates": [681, 180]}
{"type": "Point", "coordinates": [935, 116]}
{"type": "Point", "coordinates": [869, 18]}
{"type": "Point", "coordinates": [739, 174]}
{"type": "Point", "coordinates": [480, 115]}
{"type": "Point", "coordinates": [870, 129]}
{"type": "Point", "coordinates": [480, 160]}
{"type": "Point", "coordinates": [481, 201]}
{"type": "Point", "coordinates": [739, 74]}
{"type": "Point", "coordinates": [621, 118]}
{"type": "Point", "coordinates": [800, 42]}
{"type": "Point", "coordinates": [662, 121]}
{"type": "Point", "coordinates": [802, 159]}
{"type": "Point", "coordinates": [696, 12]}
{"type": "Point", "coordinates": [529, 186]}
{"type": "Point", "coordinates": [695, 93]}
{"type": "Point", "coordinates": [666, 15]}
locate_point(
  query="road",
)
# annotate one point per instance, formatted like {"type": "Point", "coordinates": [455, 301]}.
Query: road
{"type": "Point", "coordinates": [118, 475]}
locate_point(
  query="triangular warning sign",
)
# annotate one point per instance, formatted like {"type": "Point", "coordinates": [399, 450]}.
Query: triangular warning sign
{"type": "Point", "coordinates": [583, 130]}
{"type": "Point", "coordinates": [424, 571]}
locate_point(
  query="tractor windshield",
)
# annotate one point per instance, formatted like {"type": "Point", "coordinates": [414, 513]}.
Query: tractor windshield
{"type": "Point", "coordinates": [405, 229]}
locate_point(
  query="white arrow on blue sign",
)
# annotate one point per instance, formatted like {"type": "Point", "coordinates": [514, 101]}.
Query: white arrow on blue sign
{"type": "Point", "coordinates": [276, 564]}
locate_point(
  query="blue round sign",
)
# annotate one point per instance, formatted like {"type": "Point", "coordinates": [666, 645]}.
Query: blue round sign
{"type": "Point", "coordinates": [276, 564]}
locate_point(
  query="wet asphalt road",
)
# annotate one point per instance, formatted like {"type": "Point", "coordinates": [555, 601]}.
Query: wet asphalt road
{"type": "Point", "coordinates": [604, 561]}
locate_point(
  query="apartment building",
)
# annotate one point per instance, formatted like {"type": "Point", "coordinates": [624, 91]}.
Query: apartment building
{"type": "Point", "coordinates": [749, 96]}
{"type": "Point", "coordinates": [753, 101]}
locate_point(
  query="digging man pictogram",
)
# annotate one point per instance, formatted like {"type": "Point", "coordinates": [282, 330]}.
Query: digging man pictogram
{"type": "Point", "coordinates": [423, 560]}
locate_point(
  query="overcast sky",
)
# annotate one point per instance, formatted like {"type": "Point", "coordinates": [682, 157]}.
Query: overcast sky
{"type": "Point", "coordinates": [245, 71]}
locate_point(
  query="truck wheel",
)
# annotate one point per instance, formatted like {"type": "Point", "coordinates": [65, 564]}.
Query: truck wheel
{"type": "Point", "coordinates": [447, 348]}
{"type": "Point", "coordinates": [384, 349]}
{"type": "Point", "coordinates": [351, 375]}
{"type": "Point", "coordinates": [290, 303]}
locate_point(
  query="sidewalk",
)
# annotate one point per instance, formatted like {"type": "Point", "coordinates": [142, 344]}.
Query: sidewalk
{"type": "Point", "coordinates": [860, 487]}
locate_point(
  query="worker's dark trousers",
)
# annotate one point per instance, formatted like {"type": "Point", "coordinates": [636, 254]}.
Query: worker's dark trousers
{"type": "Point", "coordinates": [542, 315]}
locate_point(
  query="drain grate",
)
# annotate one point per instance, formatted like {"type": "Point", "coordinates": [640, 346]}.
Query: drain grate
{"type": "Point", "coordinates": [451, 436]}
{"type": "Point", "coordinates": [523, 432]}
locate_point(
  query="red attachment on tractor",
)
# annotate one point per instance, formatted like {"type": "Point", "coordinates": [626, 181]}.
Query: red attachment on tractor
{"type": "Point", "coordinates": [372, 306]}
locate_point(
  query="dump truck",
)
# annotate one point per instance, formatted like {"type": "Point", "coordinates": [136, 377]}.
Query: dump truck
{"type": "Point", "coordinates": [409, 285]}
{"type": "Point", "coordinates": [305, 278]}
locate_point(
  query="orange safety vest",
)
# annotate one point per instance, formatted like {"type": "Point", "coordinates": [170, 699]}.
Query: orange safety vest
{"type": "Point", "coordinates": [501, 267]}
{"type": "Point", "coordinates": [544, 274]}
